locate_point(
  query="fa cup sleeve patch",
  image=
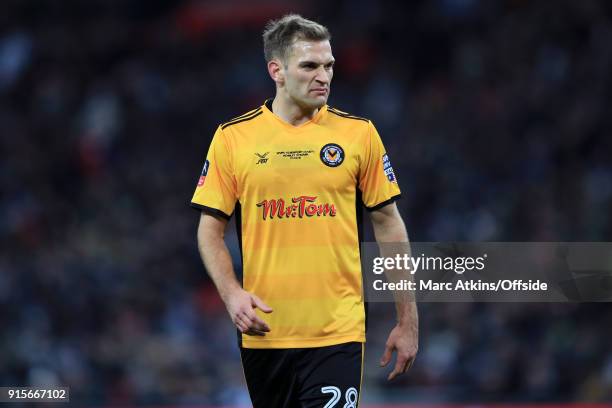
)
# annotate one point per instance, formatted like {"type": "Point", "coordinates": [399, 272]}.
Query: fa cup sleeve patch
{"type": "Point", "coordinates": [204, 173]}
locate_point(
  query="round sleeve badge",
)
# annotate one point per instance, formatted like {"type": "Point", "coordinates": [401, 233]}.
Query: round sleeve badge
{"type": "Point", "coordinates": [332, 155]}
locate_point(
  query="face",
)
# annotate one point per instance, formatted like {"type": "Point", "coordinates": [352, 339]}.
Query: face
{"type": "Point", "coordinates": [306, 76]}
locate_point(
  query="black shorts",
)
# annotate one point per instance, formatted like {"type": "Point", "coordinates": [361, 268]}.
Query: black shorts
{"type": "Point", "coordinates": [320, 377]}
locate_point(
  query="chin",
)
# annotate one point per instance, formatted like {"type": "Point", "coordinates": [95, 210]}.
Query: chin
{"type": "Point", "coordinates": [306, 102]}
{"type": "Point", "coordinates": [315, 103]}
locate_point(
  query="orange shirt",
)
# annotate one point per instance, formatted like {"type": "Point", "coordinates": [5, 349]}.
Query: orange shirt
{"type": "Point", "coordinates": [295, 190]}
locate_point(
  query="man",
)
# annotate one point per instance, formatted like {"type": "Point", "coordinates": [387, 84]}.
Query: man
{"type": "Point", "coordinates": [292, 172]}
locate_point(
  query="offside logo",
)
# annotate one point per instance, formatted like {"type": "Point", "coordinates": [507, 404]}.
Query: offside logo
{"type": "Point", "coordinates": [301, 206]}
{"type": "Point", "coordinates": [332, 155]}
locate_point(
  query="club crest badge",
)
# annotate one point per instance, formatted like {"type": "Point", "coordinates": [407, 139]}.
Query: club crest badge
{"type": "Point", "coordinates": [332, 155]}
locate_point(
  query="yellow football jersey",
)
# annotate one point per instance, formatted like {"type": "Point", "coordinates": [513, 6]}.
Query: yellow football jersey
{"type": "Point", "coordinates": [296, 192]}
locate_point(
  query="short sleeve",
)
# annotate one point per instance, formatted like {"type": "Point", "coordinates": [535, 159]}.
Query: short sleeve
{"type": "Point", "coordinates": [216, 189]}
{"type": "Point", "coordinates": [377, 180]}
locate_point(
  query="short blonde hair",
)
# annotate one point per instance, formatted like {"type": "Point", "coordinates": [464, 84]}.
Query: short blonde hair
{"type": "Point", "coordinates": [279, 35]}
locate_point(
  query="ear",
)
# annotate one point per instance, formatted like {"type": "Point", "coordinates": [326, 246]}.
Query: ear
{"type": "Point", "coordinates": [276, 71]}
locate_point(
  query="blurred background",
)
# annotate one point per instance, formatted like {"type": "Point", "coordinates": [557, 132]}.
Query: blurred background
{"type": "Point", "coordinates": [497, 117]}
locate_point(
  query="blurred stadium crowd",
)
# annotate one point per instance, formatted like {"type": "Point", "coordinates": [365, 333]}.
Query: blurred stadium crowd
{"type": "Point", "coordinates": [496, 115]}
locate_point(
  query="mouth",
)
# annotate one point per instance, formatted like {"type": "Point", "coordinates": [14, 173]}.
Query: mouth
{"type": "Point", "coordinates": [319, 91]}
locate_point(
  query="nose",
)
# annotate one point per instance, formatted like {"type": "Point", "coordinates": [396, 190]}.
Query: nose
{"type": "Point", "coordinates": [323, 76]}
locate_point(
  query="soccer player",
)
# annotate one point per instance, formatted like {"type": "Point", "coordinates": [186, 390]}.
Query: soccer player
{"type": "Point", "coordinates": [295, 173]}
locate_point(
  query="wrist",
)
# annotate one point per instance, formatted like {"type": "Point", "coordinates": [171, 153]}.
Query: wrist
{"type": "Point", "coordinates": [229, 292]}
{"type": "Point", "coordinates": [409, 323]}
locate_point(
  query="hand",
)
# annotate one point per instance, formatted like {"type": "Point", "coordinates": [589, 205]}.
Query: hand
{"type": "Point", "coordinates": [241, 308]}
{"type": "Point", "coordinates": [404, 340]}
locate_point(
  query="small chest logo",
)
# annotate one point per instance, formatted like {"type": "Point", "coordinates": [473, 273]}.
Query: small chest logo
{"type": "Point", "coordinates": [263, 158]}
{"type": "Point", "coordinates": [332, 155]}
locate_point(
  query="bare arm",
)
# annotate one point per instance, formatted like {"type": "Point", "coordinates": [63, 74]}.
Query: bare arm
{"type": "Point", "coordinates": [389, 229]}
{"type": "Point", "coordinates": [240, 304]}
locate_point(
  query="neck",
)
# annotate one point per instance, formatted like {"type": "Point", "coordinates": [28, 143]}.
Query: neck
{"type": "Point", "coordinates": [292, 113]}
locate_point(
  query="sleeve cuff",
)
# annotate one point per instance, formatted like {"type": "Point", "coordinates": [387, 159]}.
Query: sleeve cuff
{"type": "Point", "coordinates": [210, 210]}
{"type": "Point", "coordinates": [384, 203]}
